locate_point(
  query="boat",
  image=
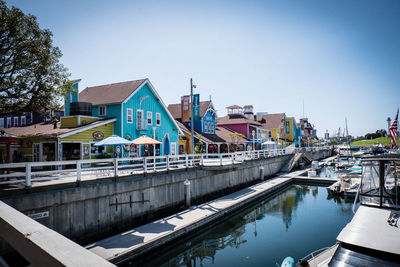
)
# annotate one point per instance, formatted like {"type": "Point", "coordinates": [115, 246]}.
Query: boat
{"type": "Point", "coordinates": [288, 262]}
{"type": "Point", "coordinates": [346, 185]}
{"type": "Point", "coordinates": [372, 238]}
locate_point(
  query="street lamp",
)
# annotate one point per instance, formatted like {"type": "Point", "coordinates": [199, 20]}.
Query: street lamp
{"type": "Point", "coordinates": [253, 133]}
{"type": "Point", "coordinates": [154, 137]}
{"type": "Point", "coordinates": [191, 117]}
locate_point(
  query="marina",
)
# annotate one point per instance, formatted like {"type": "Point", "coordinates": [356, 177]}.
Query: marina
{"type": "Point", "coordinates": [199, 133]}
{"type": "Point", "coordinates": [263, 234]}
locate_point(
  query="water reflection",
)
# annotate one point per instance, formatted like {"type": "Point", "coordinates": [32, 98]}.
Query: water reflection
{"type": "Point", "coordinates": [234, 235]}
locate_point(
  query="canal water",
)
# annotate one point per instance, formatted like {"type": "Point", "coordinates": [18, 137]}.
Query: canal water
{"type": "Point", "coordinates": [294, 222]}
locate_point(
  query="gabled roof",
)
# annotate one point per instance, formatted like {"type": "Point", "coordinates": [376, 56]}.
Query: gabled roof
{"type": "Point", "coordinates": [110, 93]}
{"type": "Point", "coordinates": [221, 135]}
{"type": "Point", "coordinates": [226, 134]}
{"type": "Point", "coordinates": [273, 121]}
{"type": "Point", "coordinates": [47, 130]}
{"type": "Point", "coordinates": [229, 120]}
{"type": "Point", "coordinates": [176, 109]}
{"type": "Point", "coordinates": [208, 138]}
{"type": "Point", "coordinates": [75, 81]}
{"type": "Point", "coordinates": [234, 107]}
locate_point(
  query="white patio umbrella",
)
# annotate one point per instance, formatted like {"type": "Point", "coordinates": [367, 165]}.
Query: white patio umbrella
{"type": "Point", "coordinates": [113, 140]}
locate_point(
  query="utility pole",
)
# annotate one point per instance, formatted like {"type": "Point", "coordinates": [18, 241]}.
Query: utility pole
{"type": "Point", "coordinates": [191, 116]}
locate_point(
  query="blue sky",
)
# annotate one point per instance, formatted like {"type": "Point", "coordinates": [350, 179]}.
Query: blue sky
{"type": "Point", "coordinates": [341, 57]}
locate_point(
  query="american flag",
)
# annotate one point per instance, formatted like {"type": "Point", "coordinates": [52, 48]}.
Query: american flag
{"type": "Point", "coordinates": [393, 130]}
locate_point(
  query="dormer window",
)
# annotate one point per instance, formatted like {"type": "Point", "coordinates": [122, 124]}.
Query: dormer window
{"type": "Point", "coordinates": [102, 110]}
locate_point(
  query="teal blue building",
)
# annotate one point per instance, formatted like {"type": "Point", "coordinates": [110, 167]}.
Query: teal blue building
{"type": "Point", "coordinates": [139, 110]}
{"type": "Point", "coordinates": [71, 96]}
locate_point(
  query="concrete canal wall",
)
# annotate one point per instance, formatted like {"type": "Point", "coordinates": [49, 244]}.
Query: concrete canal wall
{"type": "Point", "coordinates": [94, 210]}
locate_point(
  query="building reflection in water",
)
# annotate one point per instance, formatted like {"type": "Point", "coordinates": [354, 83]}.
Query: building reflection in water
{"type": "Point", "coordinates": [231, 233]}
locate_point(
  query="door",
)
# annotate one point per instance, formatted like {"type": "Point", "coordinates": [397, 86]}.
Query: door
{"type": "Point", "coordinates": [48, 151]}
{"type": "Point", "coordinates": [36, 152]}
{"type": "Point", "coordinates": [166, 146]}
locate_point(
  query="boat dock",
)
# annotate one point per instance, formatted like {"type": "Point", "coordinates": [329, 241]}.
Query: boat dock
{"type": "Point", "coordinates": [138, 241]}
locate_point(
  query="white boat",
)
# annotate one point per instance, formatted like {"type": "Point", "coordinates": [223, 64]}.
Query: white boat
{"type": "Point", "coordinates": [372, 238]}
{"type": "Point", "coordinates": [346, 185]}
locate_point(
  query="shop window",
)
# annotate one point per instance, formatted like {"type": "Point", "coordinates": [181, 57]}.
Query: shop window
{"type": "Point", "coordinates": [134, 151]}
{"type": "Point", "coordinates": [8, 122]}
{"type": "Point", "coordinates": [95, 150]}
{"type": "Point", "coordinates": [173, 148]}
{"type": "Point", "coordinates": [1, 122]}
{"type": "Point", "coordinates": [181, 149]}
{"type": "Point", "coordinates": [102, 110]}
{"type": "Point", "coordinates": [15, 121]}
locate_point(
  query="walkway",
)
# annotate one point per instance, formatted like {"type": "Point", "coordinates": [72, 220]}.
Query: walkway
{"type": "Point", "coordinates": [144, 238]}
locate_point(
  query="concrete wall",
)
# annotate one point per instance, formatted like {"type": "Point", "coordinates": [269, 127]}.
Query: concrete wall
{"type": "Point", "coordinates": [93, 211]}
{"type": "Point", "coordinates": [322, 154]}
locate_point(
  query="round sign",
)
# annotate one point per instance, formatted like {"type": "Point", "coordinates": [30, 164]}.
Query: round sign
{"type": "Point", "coordinates": [97, 135]}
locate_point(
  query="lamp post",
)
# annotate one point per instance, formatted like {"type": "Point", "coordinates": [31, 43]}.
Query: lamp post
{"type": "Point", "coordinates": [253, 133]}
{"type": "Point", "coordinates": [154, 137]}
{"type": "Point", "coordinates": [191, 116]}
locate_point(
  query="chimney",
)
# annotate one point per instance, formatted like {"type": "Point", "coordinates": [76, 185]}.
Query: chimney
{"type": "Point", "coordinates": [55, 123]}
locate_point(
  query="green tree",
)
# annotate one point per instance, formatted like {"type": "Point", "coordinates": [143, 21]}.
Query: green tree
{"type": "Point", "coordinates": [31, 75]}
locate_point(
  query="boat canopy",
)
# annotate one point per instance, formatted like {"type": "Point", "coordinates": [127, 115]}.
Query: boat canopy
{"type": "Point", "coordinates": [380, 181]}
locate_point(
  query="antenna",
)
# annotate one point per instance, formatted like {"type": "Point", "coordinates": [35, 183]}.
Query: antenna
{"type": "Point", "coordinates": [347, 131]}
{"type": "Point", "coordinates": [303, 108]}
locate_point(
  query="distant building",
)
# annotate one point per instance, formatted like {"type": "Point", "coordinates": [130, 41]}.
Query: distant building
{"type": "Point", "coordinates": [241, 120]}
{"type": "Point", "coordinates": [204, 124]}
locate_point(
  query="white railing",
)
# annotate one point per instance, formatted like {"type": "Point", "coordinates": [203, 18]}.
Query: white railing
{"type": "Point", "coordinates": [28, 172]}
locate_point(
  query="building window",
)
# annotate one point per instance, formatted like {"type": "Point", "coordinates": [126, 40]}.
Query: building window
{"type": "Point", "coordinates": [15, 121]}
{"type": "Point", "coordinates": [158, 119]}
{"type": "Point", "coordinates": [102, 110]}
{"type": "Point", "coordinates": [8, 122]}
{"type": "Point", "coordinates": [149, 117]}
{"type": "Point", "coordinates": [206, 127]}
{"type": "Point", "coordinates": [95, 150]}
{"type": "Point", "coordinates": [1, 122]}
{"type": "Point", "coordinates": [47, 116]}
{"type": "Point", "coordinates": [173, 148]}
{"type": "Point", "coordinates": [129, 115]}
{"type": "Point", "coordinates": [139, 119]}
{"type": "Point", "coordinates": [23, 120]}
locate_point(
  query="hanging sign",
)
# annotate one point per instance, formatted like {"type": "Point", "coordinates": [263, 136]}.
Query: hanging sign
{"type": "Point", "coordinates": [39, 215]}
{"type": "Point", "coordinates": [196, 107]}
{"type": "Point", "coordinates": [185, 101]}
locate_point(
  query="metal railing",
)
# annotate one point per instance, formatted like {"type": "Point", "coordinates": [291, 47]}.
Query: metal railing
{"type": "Point", "coordinates": [28, 172]}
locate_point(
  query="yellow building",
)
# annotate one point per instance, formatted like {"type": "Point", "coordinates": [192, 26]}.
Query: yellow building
{"type": "Point", "coordinates": [71, 139]}
{"type": "Point", "coordinates": [290, 126]}
{"type": "Point", "coordinates": [278, 126]}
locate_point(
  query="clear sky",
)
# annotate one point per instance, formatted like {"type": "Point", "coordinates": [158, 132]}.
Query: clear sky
{"type": "Point", "coordinates": [341, 57]}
